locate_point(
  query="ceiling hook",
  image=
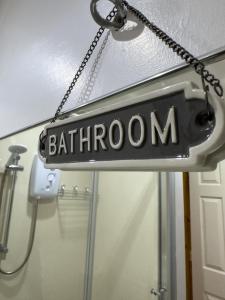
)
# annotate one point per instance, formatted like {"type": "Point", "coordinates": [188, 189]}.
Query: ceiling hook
{"type": "Point", "coordinates": [120, 15]}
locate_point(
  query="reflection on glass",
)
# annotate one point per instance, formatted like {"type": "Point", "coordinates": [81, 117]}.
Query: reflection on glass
{"type": "Point", "coordinates": [126, 245]}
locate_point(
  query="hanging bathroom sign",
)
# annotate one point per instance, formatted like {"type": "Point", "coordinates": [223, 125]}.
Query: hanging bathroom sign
{"type": "Point", "coordinates": [171, 129]}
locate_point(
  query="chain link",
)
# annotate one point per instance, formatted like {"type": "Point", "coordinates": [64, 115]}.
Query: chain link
{"type": "Point", "coordinates": [190, 59]}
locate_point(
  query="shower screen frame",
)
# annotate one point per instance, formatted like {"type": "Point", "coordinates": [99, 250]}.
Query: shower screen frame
{"type": "Point", "coordinates": [167, 288]}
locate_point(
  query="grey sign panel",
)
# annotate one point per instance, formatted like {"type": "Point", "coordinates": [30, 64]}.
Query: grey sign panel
{"type": "Point", "coordinates": [170, 129]}
{"type": "Point", "coordinates": [79, 138]}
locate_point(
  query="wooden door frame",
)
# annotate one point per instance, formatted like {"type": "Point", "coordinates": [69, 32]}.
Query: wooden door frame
{"type": "Point", "coordinates": [187, 226]}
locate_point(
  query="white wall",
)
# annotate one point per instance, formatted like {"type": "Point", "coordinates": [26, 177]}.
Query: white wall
{"type": "Point", "coordinates": [56, 266]}
{"type": "Point", "coordinates": [126, 253]}
{"type": "Point", "coordinates": [126, 248]}
{"type": "Point", "coordinates": [42, 43]}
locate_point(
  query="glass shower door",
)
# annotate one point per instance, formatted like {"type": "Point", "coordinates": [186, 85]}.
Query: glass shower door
{"type": "Point", "coordinates": [126, 256]}
{"type": "Point", "coordinates": [118, 232]}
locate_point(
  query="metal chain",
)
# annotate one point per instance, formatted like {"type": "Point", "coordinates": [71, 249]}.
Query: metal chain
{"type": "Point", "coordinates": [177, 48]}
{"type": "Point", "coordinates": [189, 58]}
{"type": "Point", "coordinates": [181, 51]}
{"type": "Point", "coordinates": [111, 15]}
{"type": "Point", "coordinates": [92, 76]}
{"type": "Point", "coordinates": [87, 56]}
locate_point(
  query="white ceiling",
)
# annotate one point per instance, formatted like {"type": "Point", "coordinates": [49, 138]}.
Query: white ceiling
{"type": "Point", "coordinates": [43, 42]}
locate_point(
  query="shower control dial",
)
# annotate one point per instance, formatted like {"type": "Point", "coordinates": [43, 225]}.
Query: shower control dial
{"type": "Point", "coordinates": [44, 183]}
{"type": "Point", "coordinates": [51, 178]}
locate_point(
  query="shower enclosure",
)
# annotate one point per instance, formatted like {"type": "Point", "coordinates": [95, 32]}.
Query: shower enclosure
{"type": "Point", "coordinates": [128, 254]}
{"type": "Point", "coordinates": [107, 235]}
{"type": "Point", "coordinates": [6, 204]}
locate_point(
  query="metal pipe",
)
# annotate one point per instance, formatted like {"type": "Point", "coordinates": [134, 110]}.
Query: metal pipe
{"type": "Point", "coordinates": [2, 188]}
{"type": "Point", "coordinates": [88, 278]}
{"type": "Point", "coordinates": [161, 290]}
{"type": "Point", "coordinates": [6, 205]}
{"type": "Point", "coordinates": [9, 209]}
{"type": "Point", "coordinates": [6, 220]}
{"type": "Point", "coordinates": [30, 242]}
{"type": "Point", "coordinates": [160, 229]}
{"type": "Point", "coordinates": [3, 208]}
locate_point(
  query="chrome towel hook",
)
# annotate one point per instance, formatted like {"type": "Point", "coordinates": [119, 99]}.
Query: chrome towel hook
{"type": "Point", "coordinates": [119, 20]}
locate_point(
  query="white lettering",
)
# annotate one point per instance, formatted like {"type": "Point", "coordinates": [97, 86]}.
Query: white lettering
{"type": "Point", "coordinates": [98, 137]}
{"type": "Point", "coordinates": [139, 142]}
{"type": "Point", "coordinates": [72, 134]}
{"type": "Point", "coordinates": [118, 145]}
{"type": "Point", "coordinates": [52, 145]}
{"type": "Point", "coordinates": [163, 134]}
{"type": "Point", "coordinates": [86, 139]}
{"type": "Point", "coordinates": [62, 144]}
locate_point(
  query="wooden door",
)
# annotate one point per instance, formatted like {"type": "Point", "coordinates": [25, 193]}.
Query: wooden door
{"type": "Point", "coordinates": [207, 192]}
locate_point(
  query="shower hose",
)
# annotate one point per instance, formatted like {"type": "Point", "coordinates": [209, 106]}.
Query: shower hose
{"type": "Point", "coordinates": [31, 234]}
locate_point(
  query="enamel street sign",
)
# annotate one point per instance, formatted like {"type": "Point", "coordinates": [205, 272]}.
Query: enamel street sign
{"type": "Point", "coordinates": [172, 129]}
